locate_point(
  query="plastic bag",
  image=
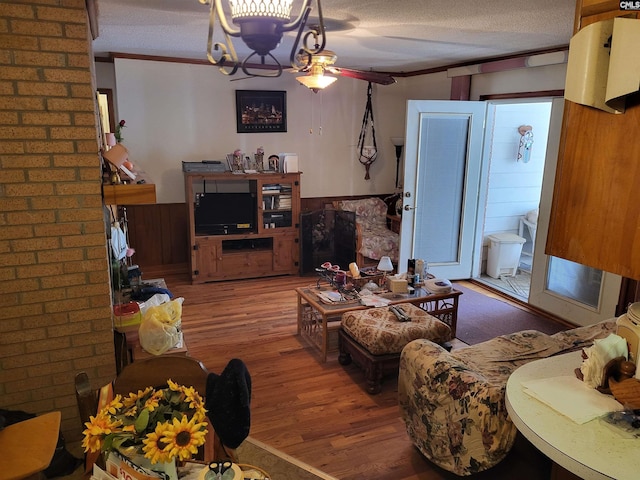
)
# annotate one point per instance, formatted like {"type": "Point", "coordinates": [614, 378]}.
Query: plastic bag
{"type": "Point", "coordinates": [157, 300]}
{"type": "Point", "coordinates": [160, 329]}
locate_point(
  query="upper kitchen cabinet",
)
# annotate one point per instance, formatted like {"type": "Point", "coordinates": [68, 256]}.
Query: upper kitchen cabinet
{"type": "Point", "coordinates": [595, 216]}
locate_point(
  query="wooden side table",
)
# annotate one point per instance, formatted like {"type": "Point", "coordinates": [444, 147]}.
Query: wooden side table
{"type": "Point", "coordinates": [394, 222]}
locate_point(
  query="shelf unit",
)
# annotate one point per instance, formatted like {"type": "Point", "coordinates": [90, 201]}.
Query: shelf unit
{"type": "Point", "coordinates": [271, 248]}
{"type": "Point", "coordinates": [129, 194]}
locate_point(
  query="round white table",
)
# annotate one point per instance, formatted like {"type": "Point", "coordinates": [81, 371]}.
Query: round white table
{"type": "Point", "coordinates": [591, 450]}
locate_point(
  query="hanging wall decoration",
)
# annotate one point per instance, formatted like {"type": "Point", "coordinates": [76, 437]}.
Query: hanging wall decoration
{"type": "Point", "coordinates": [367, 152]}
{"type": "Point", "coordinates": [526, 141]}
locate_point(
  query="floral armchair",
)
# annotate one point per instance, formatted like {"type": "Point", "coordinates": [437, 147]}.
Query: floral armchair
{"type": "Point", "coordinates": [453, 402]}
{"type": "Point", "coordinates": [373, 238]}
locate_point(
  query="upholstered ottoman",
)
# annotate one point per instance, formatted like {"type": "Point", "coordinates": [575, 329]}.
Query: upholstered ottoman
{"type": "Point", "coordinates": [373, 339]}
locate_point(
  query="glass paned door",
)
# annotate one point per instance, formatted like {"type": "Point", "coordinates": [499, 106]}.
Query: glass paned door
{"type": "Point", "coordinates": [443, 160]}
{"type": "Point", "coordinates": [574, 292]}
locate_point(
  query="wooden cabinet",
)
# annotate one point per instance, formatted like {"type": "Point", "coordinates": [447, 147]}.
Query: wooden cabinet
{"type": "Point", "coordinates": [266, 244]}
{"type": "Point", "coordinates": [596, 204]}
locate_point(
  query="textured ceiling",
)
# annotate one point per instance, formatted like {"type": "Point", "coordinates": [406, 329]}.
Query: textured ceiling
{"type": "Point", "coordinates": [383, 35]}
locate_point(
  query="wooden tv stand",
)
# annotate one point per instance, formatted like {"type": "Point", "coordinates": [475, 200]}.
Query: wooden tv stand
{"type": "Point", "coordinates": [271, 248]}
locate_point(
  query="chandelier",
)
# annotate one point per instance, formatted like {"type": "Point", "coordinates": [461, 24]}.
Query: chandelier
{"type": "Point", "coordinates": [261, 24]}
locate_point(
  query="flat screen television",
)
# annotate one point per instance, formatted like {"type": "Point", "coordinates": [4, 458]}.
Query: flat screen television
{"type": "Point", "coordinates": [225, 213]}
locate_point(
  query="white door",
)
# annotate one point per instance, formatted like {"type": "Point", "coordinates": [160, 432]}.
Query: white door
{"type": "Point", "coordinates": [443, 159]}
{"type": "Point", "coordinates": [574, 292]}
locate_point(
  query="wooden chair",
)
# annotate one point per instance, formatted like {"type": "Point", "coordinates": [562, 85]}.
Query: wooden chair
{"type": "Point", "coordinates": [154, 372]}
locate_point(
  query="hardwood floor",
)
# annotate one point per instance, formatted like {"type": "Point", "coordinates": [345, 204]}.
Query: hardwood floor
{"type": "Point", "coordinates": [316, 412]}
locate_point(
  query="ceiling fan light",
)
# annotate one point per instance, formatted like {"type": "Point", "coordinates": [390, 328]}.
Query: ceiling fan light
{"type": "Point", "coordinates": [316, 82]}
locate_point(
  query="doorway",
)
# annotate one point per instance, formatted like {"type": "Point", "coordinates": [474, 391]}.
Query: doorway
{"type": "Point", "coordinates": [517, 133]}
{"type": "Point", "coordinates": [444, 137]}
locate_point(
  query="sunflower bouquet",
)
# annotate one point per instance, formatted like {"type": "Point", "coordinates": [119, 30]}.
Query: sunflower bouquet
{"type": "Point", "coordinates": [162, 424]}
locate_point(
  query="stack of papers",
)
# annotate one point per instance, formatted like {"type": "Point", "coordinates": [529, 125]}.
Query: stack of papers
{"type": "Point", "coordinates": [330, 297]}
{"type": "Point", "coordinates": [572, 398]}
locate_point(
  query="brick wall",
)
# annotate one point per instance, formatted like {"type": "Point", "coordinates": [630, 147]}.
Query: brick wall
{"type": "Point", "coordinates": [55, 318]}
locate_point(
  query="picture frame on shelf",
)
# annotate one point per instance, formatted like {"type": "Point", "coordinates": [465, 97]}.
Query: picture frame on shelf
{"type": "Point", "coordinates": [261, 111]}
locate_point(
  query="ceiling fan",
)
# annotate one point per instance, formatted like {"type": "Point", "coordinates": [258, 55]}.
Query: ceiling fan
{"type": "Point", "coordinates": [317, 64]}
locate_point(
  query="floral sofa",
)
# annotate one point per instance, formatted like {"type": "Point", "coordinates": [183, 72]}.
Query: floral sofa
{"type": "Point", "coordinates": [373, 239]}
{"type": "Point", "coordinates": [453, 402]}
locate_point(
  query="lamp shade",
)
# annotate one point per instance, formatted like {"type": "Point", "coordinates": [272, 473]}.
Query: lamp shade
{"type": "Point", "coordinates": [385, 264]}
{"type": "Point", "coordinates": [111, 139]}
{"type": "Point", "coordinates": [316, 82]}
{"type": "Point", "coordinates": [397, 141]}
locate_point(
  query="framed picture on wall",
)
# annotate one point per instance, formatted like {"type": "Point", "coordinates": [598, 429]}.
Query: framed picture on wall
{"type": "Point", "coordinates": [261, 111]}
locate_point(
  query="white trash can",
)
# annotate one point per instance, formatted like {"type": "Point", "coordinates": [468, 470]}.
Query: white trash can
{"type": "Point", "coordinates": [504, 254]}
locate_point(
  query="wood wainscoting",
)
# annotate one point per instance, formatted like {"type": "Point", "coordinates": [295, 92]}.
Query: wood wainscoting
{"type": "Point", "coordinates": [159, 235]}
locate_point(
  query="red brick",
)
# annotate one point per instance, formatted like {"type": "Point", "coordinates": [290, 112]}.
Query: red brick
{"type": "Point", "coordinates": [54, 202]}
{"type": "Point", "coordinates": [15, 132]}
{"type": "Point", "coordinates": [67, 45]}
{"type": "Point", "coordinates": [11, 232]}
{"type": "Point", "coordinates": [7, 88]}
{"type": "Point", "coordinates": [59, 146]}
{"type": "Point", "coordinates": [70, 104]}
{"type": "Point", "coordinates": [15, 42]}
{"type": "Point", "coordinates": [78, 188]}
{"type": "Point", "coordinates": [17, 11]}
{"type": "Point", "coordinates": [53, 175]}
{"type": "Point", "coordinates": [30, 27]}
{"type": "Point", "coordinates": [21, 103]}
{"type": "Point", "coordinates": [26, 161]}
{"type": "Point", "coordinates": [8, 117]}
{"type": "Point", "coordinates": [76, 133]}
{"type": "Point", "coordinates": [66, 255]}
{"type": "Point", "coordinates": [66, 75]}
{"type": "Point", "coordinates": [14, 259]}
{"type": "Point", "coordinates": [57, 229]}
{"type": "Point", "coordinates": [58, 118]}
{"type": "Point", "coordinates": [83, 240]}
{"type": "Point", "coordinates": [40, 59]}
{"type": "Point", "coordinates": [78, 60]}
{"type": "Point", "coordinates": [18, 72]}
{"type": "Point", "coordinates": [82, 91]}
{"type": "Point", "coordinates": [37, 271]}
{"type": "Point", "coordinates": [42, 89]}
{"type": "Point", "coordinates": [76, 160]}
{"type": "Point", "coordinates": [19, 285]}
{"type": "Point", "coordinates": [31, 218]}
{"type": "Point", "coordinates": [28, 190]}
{"type": "Point", "coordinates": [65, 280]}
{"type": "Point", "coordinates": [12, 176]}
{"type": "Point", "coordinates": [66, 15]}
{"type": "Point", "coordinates": [35, 244]}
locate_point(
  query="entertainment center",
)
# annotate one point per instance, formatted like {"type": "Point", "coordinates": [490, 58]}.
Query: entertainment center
{"type": "Point", "coordinates": [242, 225]}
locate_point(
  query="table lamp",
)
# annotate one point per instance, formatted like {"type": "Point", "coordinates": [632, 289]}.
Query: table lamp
{"type": "Point", "coordinates": [385, 266]}
{"type": "Point", "coordinates": [111, 139]}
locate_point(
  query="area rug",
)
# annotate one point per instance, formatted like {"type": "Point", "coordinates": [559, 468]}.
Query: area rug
{"type": "Point", "coordinates": [276, 463]}
{"type": "Point", "coordinates": [482, 318]}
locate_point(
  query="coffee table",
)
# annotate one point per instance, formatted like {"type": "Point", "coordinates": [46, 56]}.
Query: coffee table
{"type": "Point", "coordinates": [319, 322]}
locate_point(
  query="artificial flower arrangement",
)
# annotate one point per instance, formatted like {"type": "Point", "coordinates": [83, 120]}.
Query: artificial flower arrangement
{"type": "Point", "coordinates": [164, 424]}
